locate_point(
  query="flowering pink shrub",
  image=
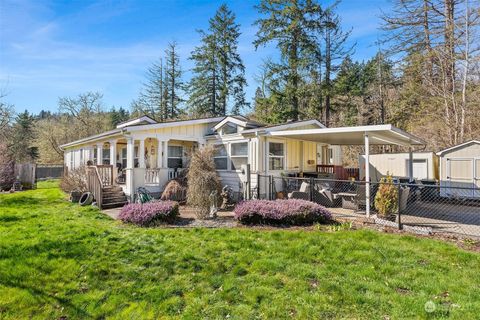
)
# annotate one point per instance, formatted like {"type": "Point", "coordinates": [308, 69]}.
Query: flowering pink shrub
{"type": "Point", "coordinates": [291, 211]}
{"type": "Point", "coordinates": [147, 213]}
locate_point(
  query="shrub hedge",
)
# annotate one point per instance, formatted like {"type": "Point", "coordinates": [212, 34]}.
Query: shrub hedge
{"type": "Point", "coordinates": [291, 211]}
{"type": "Point", "coordinates": [145, 214]}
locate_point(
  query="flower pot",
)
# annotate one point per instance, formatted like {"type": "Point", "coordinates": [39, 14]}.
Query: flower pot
{"type": "Point", "coordinates": [75, 196]}
{"type": "Point", "coordinates": [389, 217]}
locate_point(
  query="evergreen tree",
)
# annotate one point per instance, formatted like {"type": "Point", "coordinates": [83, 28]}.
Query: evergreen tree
{"type": "Point", "coordinates": [219, 73]}
{"type": "Point", "coordinates": [289, 24]}
{"type": "Point", "coordinates": [118, 116]}
{"type": "Point", "coordinates": [23, 136]}
{"type": "Point", "coordinates": [173, 82]}
{"type": "Point", "coordinates": [152, 98]}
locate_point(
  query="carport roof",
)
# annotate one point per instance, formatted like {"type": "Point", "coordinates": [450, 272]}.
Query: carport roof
{"type": "Point", "coordinates": [384, 134]}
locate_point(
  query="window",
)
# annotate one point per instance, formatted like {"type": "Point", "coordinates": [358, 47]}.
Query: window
{"type": "Point", "coordinates": [175, 157]}
{"type": "Point", "coordinates": [106, 156]}
{"type": "Point", "coordinates": [220, 157]}
{"type": "Point", "coordinates": [95, 155]}
{"type": "Point", "coordinates": [124, 157]}
{"type": "Point", "coordinates": [71, 154]}
{"type": "Point", "coordinates": [330, 156]}
{"type": "Point", "coordinates": [239, 154]}
{"type": "Point", "coordinates": [81, 157]}
{"type": "Point", "coordinates": [229, 129]}
{"type": "Point", "coordinates": [276, 156]}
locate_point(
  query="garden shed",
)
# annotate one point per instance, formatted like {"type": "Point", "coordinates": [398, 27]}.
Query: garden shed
{"type": "Point", "coordinates": [460, 168]}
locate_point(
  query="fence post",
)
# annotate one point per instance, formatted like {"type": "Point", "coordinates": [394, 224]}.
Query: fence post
{"type": "Point", "coordinates": [258, 186]}
{"type": "Point", "coordinates": [270, 191]}
{"type": "Point", "coordinates": [311, 188]}
{"type": "Point", "coordinates": [399, 191]}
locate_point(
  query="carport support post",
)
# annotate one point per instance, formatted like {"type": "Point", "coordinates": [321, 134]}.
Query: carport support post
{"type": "Point", "coordinates": [410, 164]}
{"type": "Point", "coordinates": [367, 176]}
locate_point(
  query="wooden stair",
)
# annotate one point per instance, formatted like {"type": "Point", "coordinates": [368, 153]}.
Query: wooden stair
{"type": "Point", "coordinates": [113, 197]}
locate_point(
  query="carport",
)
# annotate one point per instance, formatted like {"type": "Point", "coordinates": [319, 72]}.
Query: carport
{"type": "Point", "coordinates": [356, 136]}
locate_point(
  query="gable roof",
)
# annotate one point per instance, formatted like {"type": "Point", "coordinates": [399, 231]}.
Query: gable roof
{"type": "Point", "coordinates": [136, 121]}
{"type": "Point", "coordinates": [458, 146]}
{"type": "Point", "coordinates": [287, 125]}
{"type": "Point", "coordinates": [238, 120]}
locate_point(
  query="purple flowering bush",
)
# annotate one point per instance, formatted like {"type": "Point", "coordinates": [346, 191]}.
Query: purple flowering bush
{"type": "Point", "coordinates": [291, 211]}
{"type": "Point", "coordinates": [148, 213]}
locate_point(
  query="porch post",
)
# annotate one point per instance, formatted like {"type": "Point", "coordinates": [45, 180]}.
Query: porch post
{"type": "Point", "coordinates": [113, 158]}
{"type": "Point", "coordinates": [100, 153]}
{"type": "Point", "coordinates": [165, 154]}
{"type": "Point", "coordinates": [410, 164]}
{"type": "Point", "coordinates": [159, 153]}
{"type": "Point", "coordinates": [113, 152]}
{"type": "Point", "coordinates": [130, 152]}
{"type": "Point", "coordinates": [141, 153]}
{"type": "Point", "coordinates": [367, 175]}
{"type": "Point", "coordinates": [130, 164]}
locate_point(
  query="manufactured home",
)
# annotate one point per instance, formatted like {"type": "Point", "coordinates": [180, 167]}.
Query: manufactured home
{"type": "Point", "coordinates": [145, 153]}
{"type": "Point", "coordinates": [460, 170]}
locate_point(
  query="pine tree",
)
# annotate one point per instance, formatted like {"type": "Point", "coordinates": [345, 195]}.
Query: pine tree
{"type": "Point", "coordinates": [22, 138]}
{"type": "Point", "coordinates": [219, 73]}
{"type": "Point", "coordinates": [173, 82]}
{"type": "Point", "coordinates": [289, 24]}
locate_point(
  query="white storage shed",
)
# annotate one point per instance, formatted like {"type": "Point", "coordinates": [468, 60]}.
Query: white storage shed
{"type": "Point", "coordinates": [460, 170]}
{"type": "Point", "coordinates": [425, 165]}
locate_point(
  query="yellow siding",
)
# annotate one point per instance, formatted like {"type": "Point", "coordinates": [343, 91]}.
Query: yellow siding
{"type": "Point", "coordinates": [309, 154]}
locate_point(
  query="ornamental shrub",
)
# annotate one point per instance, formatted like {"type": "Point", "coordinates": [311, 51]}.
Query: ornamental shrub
{"type": "Point", "coordinates": [7, 168]}
{"type": "Point", "coordinates": [291, 211]}
{"type": "Point", "coordinates": [202, 180]}
{"type": "Point", "coordinates": [146, 214]}
{"type": "Point", "coordinates": [386, 199]}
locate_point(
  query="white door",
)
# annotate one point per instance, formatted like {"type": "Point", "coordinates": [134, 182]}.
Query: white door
{"type": "Point", "coordinates": [420, 168]}
{"type": "Point", "coordinates": [476, 178]}
{"type": "Point", "coordinates": [460, 177]}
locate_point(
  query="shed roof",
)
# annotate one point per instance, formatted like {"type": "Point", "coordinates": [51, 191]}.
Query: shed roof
{"type": "Point", "coordinates": [458, 146]}
{"type": "Point", "coordinates": [378, 135]}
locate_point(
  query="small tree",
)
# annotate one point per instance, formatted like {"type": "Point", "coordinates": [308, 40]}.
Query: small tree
{"type": "Point", "coordinates": [202, 180]}
{"type": "Point", "coordinates": [386, 200]}
{"type": "Point", "coordinates": [7, 168]}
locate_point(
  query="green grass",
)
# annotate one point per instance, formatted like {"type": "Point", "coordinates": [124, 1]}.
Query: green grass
{"type": "Point", "coordinates": [58, 259]}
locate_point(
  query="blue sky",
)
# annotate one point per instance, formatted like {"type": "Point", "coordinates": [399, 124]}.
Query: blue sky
{"type": "Point", "coordinates": [51, 49]}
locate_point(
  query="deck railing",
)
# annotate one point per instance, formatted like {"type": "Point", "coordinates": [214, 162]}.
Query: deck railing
{"type": "Point", "coordinates": [152, 176]}
{"type": "Point", "coordinates": [94, 184]}
{"type": "Point", "coordinates": [174, 173]}
{"type": "Point", "coordinates": [105, 172]}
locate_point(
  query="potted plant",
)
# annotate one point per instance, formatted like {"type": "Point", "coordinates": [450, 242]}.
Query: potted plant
{"type": "Point", "coordinates": [386, 199]}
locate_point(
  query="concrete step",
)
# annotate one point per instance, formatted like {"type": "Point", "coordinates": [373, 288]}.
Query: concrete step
{"type": "Point", "coordinates": [112, 188]}
{"type": "Point", "coordinates": [113, 205]}
{"type": "Point", "coordinates": [114, 199]}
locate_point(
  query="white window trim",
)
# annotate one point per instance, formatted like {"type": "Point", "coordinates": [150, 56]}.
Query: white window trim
{"type": "Point", "coordinates": [229, 163]}
{"type": "Point", "coordinates": [226, 156]}
{"type": "Point", "coordinates": [284, 154]}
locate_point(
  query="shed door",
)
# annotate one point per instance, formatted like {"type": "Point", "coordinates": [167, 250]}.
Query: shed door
{"type": "Point", "coordinates": [420, 168]}
{"type": "Point", "coordinates": [477, 178]}
{"type": "Point", "coordinates": [460, 177]}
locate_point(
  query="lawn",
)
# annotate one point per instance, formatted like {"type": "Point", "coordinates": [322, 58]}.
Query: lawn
{"type": "Point", "coordinates": [60, 260]}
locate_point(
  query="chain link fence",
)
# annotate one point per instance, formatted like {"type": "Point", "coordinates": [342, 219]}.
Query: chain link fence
{"type": "Point", "coordinates": [420, 207]}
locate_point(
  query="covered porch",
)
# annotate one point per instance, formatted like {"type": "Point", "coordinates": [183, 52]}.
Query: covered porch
{"type": "Point", "coordinates": [148, 161]}
{"type": "Point", "coordinates": [357, 136]}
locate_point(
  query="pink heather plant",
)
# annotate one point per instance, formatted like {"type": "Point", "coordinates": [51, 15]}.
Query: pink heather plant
{"type": "Point", "coordinates": [291, 211]}
{"type": "Point", "coordinates": [147, 213]}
